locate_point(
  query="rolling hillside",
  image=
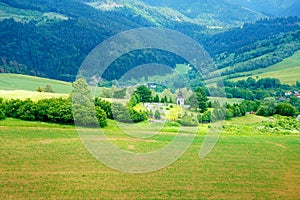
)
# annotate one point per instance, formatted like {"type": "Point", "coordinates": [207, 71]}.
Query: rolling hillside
{"type": "Point", "coordinates": [286, 71]}
{"type": "Point", "coordinates": [31, 83]}
{"type": "Point", "coordinates": [268, 7]}
{"type": "Point", "coordinates": [52, 38]}
{"type": "Point", "coordinates": [201, 12]}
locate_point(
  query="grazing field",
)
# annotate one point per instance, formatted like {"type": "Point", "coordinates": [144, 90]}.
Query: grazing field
{"type": "Point", "coordinates": [286, 71]}
{"type": "Point", "coordinates": [31, 83]}
{"type": "Point", "coordinates": [24, 94]}
{"type": "Point", "coordinates": [40, 160]}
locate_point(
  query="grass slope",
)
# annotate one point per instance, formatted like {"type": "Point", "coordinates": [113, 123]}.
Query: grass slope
{"type": "Point", "coordinates": [286, 71]}
{"type": "Point", "coordinates": [31, 83]}
{"type": "Point", "coordinates": [24, 94]}
{"type": "Point", "coordinates": [39, 160]}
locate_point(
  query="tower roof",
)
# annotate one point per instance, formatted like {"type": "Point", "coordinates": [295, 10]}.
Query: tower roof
{"type": "Point", "coordinates": [180, 95]}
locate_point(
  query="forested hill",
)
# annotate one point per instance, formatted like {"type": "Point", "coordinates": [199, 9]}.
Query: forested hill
{"type": "Point", "coordinates": [273, 8]}
{"type": "Point", "coordinates": [54, 48]}
{"type": "Point", "coordinates": [51, 38]}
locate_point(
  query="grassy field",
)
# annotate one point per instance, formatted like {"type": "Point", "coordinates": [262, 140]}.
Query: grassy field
{"type": "Point", "coordinates": [24, 94]}
{"type": "Point", "coordinates": [31, 83]}
{"type": "Point", "coordinates": [286, 71]}
{"type": "Point", "coordinates": [39, 160]}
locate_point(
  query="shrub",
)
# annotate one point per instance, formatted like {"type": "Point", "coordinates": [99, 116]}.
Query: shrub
{"type": "Point", "coordinates": [40, 89]}
{"type": "Point", "coordinates": [206, 117]}
{"type": "Point", "coordinates": [2, 114]}
{"type": "Point", "coordinates": [104, 105]}
{"type": "Point", "coordinates": [127, 114]}
{"type": "Point", "coordinates": [12, 106]}
{"type": "Point", "coordinates": [137, 116]}
{"type": "Point", "coordinates": [172, 124]}
{"type": "Point", "coordinates": [120, 113]}
{"type": "Point", "coordinates": [229, 114]}
{"type": "Point", "coordinates": [101, 116]}
{"type": "Point", "coordinates": [267, 107]}
{"type": "Point", "coordinates": [49, 89]}
{"type": "Point", "coordinates": [27, 111]}
{"type": "Point", "coordinates": [56, 110]}
{"type": "Point", "coordinates": [286, 109]}
{"type": "Point", "coordinates": [188, 121]}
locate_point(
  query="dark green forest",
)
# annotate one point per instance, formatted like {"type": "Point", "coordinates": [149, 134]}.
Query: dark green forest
{"type": "Point", "coordinates": [56, 49]}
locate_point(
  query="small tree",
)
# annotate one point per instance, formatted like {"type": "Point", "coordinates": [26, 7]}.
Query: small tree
{"type": "Point", "coordinates": [40, 89]}
{"type": "Point", "coordinates": [134, 100]}
{"type": "Point", "coordinates": [193, 101]}
{"type": "Point", "coordinates": [120, 113]}
{"type": "Point", "coordinates": [206, 117]}
{"type": "Point", "coordinates": [49, 89]}
{"type": "Point", "coordinates": [156, 98]}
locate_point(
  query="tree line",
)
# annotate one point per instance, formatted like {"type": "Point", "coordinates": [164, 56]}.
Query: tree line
{"type": "Point", "coordinates": [84, 110]}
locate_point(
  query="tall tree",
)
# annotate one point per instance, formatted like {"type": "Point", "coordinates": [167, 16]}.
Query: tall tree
{"type": "Point", "coordinates": [84, 108]}
{"type": "Point", "coordinates": [202, 99]}
{"type": "Point", "coordinates": [144, 93]}
{"type": "Point", "coordinates": [193, 101]}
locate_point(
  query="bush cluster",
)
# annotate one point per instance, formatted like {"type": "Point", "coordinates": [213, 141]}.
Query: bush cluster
{"type": "Point", "coordinates": [55, 110]}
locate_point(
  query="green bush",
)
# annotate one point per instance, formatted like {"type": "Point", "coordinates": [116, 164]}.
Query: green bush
{"type": "Point", "coordinates": [104, 105]}
{"type": "Point", "coordinates": [286, 109]}
{"type": "Point", "coordinates": [12, 106]}
{"type": "Point", "coordinates": [27, 111]}
{"type": "Point", "coordinates": [172, 124]}
{"type": "Point", "coordinates": [2, 114]}
{"type": "Point", "coordinates": [188, 121]}
{"type": "Point", "coordinates": [138, 116]}
{"type": "Point", "coordinates": [101, 116]}
{"type": "Point", "coordinates": [127, 114]}
{"type": "Point", "coordinates": [55, 110]}
{"type": "Point", "coordinates": [206, 117]}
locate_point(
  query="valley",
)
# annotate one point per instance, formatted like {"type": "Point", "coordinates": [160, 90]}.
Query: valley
{"type": "Point", "coordinates": [216, 116]}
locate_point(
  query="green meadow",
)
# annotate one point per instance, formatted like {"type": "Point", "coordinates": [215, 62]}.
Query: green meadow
{"type": "Point", "coordinates": [40, 160]}
{"type": "Point", "coordinates": [32, 83]}
{"type": "Point", "coordinates": [286, 71]}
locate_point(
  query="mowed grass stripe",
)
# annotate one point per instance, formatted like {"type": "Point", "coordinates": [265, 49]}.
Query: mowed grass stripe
{"type": "Point", "coordinates": [53, 163]}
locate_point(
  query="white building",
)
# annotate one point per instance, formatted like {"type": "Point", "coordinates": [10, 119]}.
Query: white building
{"type": "Point", "coordinates": [180, 99]}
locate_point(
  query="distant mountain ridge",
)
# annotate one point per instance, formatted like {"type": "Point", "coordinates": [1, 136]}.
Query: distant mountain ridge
{"type": "Point", "coordinates": [211, 13]}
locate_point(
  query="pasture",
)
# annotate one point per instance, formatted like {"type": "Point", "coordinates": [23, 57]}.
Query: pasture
{"type": "Point", "coordinates": [31, 83]}
{"type": "Point", "coordinates": [24, 94]}
{"type": "Point", "coordinates": [286, 71]}
{"type": "Point", "coordinates": [40, 160]}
